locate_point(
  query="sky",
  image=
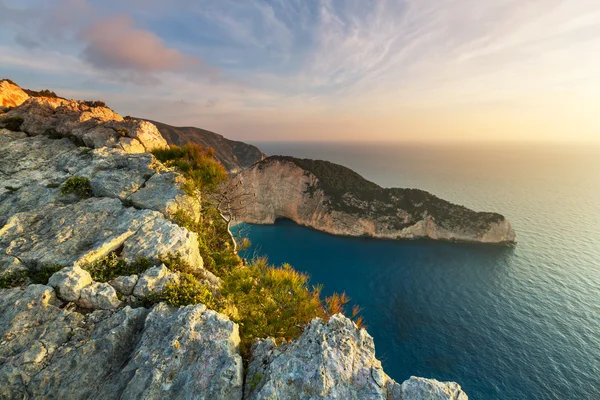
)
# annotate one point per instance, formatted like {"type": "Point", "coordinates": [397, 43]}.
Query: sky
{"type": "Point", "coordinates": [324, 70]}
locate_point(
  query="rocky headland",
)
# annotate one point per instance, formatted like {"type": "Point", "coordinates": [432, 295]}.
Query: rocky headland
{"type": "Point", "coordinates": [334, 199]}
{"type": "Point", "coordinates": [92, 304]}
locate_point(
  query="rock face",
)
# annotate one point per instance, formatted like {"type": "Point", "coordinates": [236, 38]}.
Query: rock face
{"type": "Point", "coordinates": [11, 95]}
{"type": "Point", "coordinates": [88, 123]}
{"type": "Point", "coordinates": [51, 352]}
{"type": "Point", "coordinates": [36, 219]}
{"type": "Point", "coordinates": [332, 360]}
{"type": "Point", "coordinates": [235, 156]}
{"type": "Point", "coordinates": [336, 200]}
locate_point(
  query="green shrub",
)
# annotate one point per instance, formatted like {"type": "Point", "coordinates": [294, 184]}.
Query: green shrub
{"type": "Point", "coordinates": [20, 278]}
{"type": "Point", "coordinates": [199, 167]}
{"type": "Point", "coordinates": [12, 123]}
{"type": "Point", "coordinates": [187, 291]}
{"type": "Point", "coordinates": [53, 185]}
{"type": "Point", "coordinates": [11, 188]}
{"type": "Point", "coordinates": [43, 274]}
{"type": "Point", "coordinates": [13, 279]}
{"type": "Point", "coordinates": [42, 93]}
{"type": "Point", "coordinates": [111, 266]}
{"type": "Point", "coordinates": [94, 103]}
{"type": "Point", "coordinates": [79, 185]}
{"type": "Point", "coordinates": [122, 131]}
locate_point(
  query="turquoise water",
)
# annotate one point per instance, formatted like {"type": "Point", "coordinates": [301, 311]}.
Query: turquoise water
{"type": "Point", "coordinates": [506, 323]}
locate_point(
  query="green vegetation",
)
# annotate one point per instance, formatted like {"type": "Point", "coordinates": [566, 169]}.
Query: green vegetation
{"type": "Point", "coordinates": [122, 131]}
{"type": "Point", "coordinates": [53, 185]}
{"type": "Point", "coordinates": [111, 266]}
{"type": "Point", "coordinates": [11, 188]}
{"type": "Point", "coordinates": [79, 185]}
{"type": "Point", "coordinates": [187, 291]}
{"type": "Point", "coordinates": [12, 123]}
{"type": "Point", "coordinates": [39, 276]}
{"type": "Point", "coordinates": [13, 279]}
{"type": "Point", "coordinates": [198, 166]}
{"type": "Point", "coordinates": [42, 93]}
{"type": "Point", "coordinates": [255, 380]}
{"type": "Point", "coordinates": [94, 103]}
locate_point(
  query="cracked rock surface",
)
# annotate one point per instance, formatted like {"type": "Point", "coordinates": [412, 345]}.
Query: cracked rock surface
{"type": "Point", "coordinates": [51, 352]}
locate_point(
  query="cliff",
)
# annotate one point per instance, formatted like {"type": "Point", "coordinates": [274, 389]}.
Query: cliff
{"type": "Point", "coordinates": [87, 216]}
{"type": "Point", "coordinates": [334, 199]}
{"type": "Point", "coordinates": [234, 155]}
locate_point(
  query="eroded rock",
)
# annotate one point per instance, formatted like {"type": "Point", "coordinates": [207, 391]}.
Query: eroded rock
{"type": "Point", "coordinates": [69, 282]}
{"type": "Point", "coordinates": [99, 296]}
{"type": "Point", "coordinates": [124, 284]}
{"type": "Point", "coordinates": [332, 360]}
{"type": "Point", "coordinates": [154, 280]}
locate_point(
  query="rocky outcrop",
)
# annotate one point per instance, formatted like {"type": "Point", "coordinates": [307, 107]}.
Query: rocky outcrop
{"type": "Point", "coordinates": [235, 156]}
{"type": "Point", "coordinates": [11, 95]}
{"type": "Point", "coordinates": [336, 200]}
{"type": "Point", "coordinates": [332, 360]}
{"type": "Point", "coordinates": [49, 351]}
{"type": "Point", "coordinates": [89, 123]}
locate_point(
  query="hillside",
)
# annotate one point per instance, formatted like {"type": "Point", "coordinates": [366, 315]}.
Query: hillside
{"type": "Point", "coordinates": [234, 155]}
{"type": "Point", "coordinates": [335, 199]}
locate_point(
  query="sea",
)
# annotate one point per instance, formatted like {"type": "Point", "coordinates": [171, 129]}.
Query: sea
{"type": "Point", "coordinates": [518, 322]}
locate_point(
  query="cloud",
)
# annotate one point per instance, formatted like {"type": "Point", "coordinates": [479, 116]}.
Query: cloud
{"type": "Point", "coordinates": [115, 43]}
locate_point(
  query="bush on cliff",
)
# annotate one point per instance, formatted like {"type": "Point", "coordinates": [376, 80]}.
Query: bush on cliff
{"type": "Point", "coordinates": [197, 164]}
{"type": "Point", "coordinates": [111, 266]}
{"type": "Point", "coordinates": [275, 302]}
{"type": "Point", "coordinates": [12, 123]}
{"type": "Point", "coordinates": [79, 185]}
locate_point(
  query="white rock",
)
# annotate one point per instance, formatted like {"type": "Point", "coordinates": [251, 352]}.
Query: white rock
{"type": "Point", "coordinates": [429, 389]}
{"type": "Point", "coordinates": [98, 296]}
{"type": "Point", "coordinates": [154, 280]}
{"type": "Point", "coordinates": [69, 281]}
{"type": "Point", "coordinates": [332, 360]}
{"type": "Point", "coordinates": [124, 284]}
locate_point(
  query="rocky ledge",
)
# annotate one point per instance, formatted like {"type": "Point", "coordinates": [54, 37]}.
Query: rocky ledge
{"type": "Point", "coordinates": [334, 199]}
{"type": "Point", "coordinates": [74, 337]}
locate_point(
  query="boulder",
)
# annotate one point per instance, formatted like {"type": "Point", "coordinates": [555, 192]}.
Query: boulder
{"type": "Point", "coordinates": [69, 282]}
{"type": "Point", "coordinates": [154, 280]}
{"type": "Point", "coordinates": [124, 284]}
{"type": "Point", "coordinates": [185, 353]}
{"type": "Point", "coordinates": [53, 352]}
{"type": "Point", "coordinates": [99, 296]}
{"type": "Point", "coordinates": [11, 95]}
{"type": "Point", "coordinates": [332, 360]}
{"type": "Point", "coordinates": [89, 124]}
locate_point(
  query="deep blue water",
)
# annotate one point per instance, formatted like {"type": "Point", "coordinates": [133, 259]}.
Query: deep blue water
{"type": "Point", "coordinates": [505, 323]}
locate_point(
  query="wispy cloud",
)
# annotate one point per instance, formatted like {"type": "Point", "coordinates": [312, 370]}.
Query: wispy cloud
{"type": "Point", "coordinates": [268, 66]}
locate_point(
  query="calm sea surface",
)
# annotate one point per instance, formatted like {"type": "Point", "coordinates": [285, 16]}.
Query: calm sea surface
{"type": "Point", "coordinates": [506, 323]}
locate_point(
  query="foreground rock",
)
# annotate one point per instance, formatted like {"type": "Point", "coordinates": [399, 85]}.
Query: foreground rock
{"type": "Point", "coordinates": [337, 200]}
{"type": "Point", "coordinates": [332, 360]}
{"type": "Point", "coordinates": [50, 352]}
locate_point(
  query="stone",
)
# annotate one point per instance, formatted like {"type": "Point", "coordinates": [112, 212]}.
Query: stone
{"type": "Point", "coordinates": [424, 389]}
{"type": "Point", "coordinates": [53, 352]}
{"type": "Point", "coordinates": [11, 95]}
{"type": "Point", "coordinates": [69, 282]}
{"type": "Point", "coordinates": [99, 296]}
{"type": "Point", "coordinates": [164, 192]}
{"type": "Point", "coordinates": [154, 280]}
{"type": "Point", "coordinates": [93, 126]}
{"type": "Point", "coordinates": [186, 353]}
{"type": "Point", "coordinates": [160, 237]}
{"type": "Point", "coordinates": [332, 360]}
{"type": "Point", "coordinates": [124, 284]}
